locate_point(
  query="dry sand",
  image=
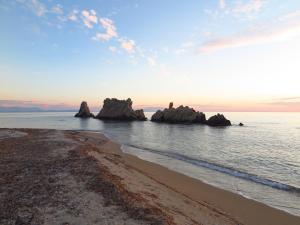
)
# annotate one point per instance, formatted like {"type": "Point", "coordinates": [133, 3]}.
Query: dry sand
{"type": "Point", "coordinates": [70, 177]}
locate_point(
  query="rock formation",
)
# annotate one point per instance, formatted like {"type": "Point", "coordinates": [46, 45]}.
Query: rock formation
{"type": "Point", "coordinates": [158, 116]}
{"type": "Point", "coordinates": [182, 114]}
{"type": "Point", "coordinates": [114, 109]}
{"type": "Point", "coordinates": [140, 114]}
{"type": "Point", "coordinates": [241, 124]}
{"type": "Point", "coordinates": [218, 120]}
{"type": "Point", "coordinates": [84, 111]}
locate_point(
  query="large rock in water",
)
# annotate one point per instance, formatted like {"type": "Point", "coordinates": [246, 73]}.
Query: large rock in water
{"type": "Point", "coordinates": [114, 109]}
{"type": "Point", "coordinates": [158, 116]}
{"type": "Point", "coordinates": [182, 114]}
{"type": "Point", "coordinates": [218, 120]}
{"type": "Point", "coordinates": [84, 111]}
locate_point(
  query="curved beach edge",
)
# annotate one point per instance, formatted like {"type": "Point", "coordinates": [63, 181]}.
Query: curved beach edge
{"type": "Point", "coordinates": [84, 176]}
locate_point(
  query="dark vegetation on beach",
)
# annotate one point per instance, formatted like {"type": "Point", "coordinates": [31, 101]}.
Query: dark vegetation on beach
{"type": "Point", "coordinates": [48, 179]}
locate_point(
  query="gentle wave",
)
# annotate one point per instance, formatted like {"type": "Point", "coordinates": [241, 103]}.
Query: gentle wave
{"type": "Point", "coordinates": [223, 169]}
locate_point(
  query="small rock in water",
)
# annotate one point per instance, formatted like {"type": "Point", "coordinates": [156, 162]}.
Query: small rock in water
{"type": "Point", "coordinates": [218, 120]}
{"type": "Point", "coordinates": [84, 111]}
{"type": "Point", "coordinates": [241, 124]}
{"type": "Point", "coordinates": [140, 114]}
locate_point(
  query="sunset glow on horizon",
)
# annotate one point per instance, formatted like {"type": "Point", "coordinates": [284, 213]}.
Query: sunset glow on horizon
{"type": "Point", "coordinates": [220, 55]}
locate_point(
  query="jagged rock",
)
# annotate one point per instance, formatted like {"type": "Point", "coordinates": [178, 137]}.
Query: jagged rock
{"type": "Point", "coordinates": [84, 111]}
{"type": "Point", "coordinates": [218, 120]}
{"type": "Point", "coordinates": [140, 114]}
{"type": "Point", "coordinates": [114, 109]}
{"type": "Point", "coordinates": [179, 115]}
{"type": "Point", "coordinates": [158, 116]}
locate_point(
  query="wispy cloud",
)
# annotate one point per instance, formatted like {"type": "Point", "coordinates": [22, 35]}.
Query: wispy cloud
{"type": "Point", "coordinates": [39, 8]}
{"type": "Point", "coordinates": [284, 105]}
{"type": "Point", "coordinates": [128, 45]}
{"type": "Point", "coordinates": [290, 15]}
{"type": "Point", "coordinates": [89, 18]}
{"type": "Point", "coordinates": [185, 47]}
{"type": "Point", "coordinates": [108, 25]}
{"type": "Point", "coordinates": [35, 104]}
{"type": "Point", "coordinates": [57, 9]}
{"type": "Point", "coordinates": [73, 15]}
{"type": "Point", "coordinates": [110, 30]}
{"type": "Point", "coordinates": [249, 7]}
{"type": "Point", "coordinates": [112, 48]}
{"type": "Point", "coordinates": [277, 31]}
{"type": "Point", "coordinates": [34, 5]}
{"type": "Point", "coordinates": [244, 10]}
{"type": "Point", "coordinates": [93, 21]}
{"type": "Point", "coordinates": [222, 4]}
{"type": "Point", "coordinates": [293, 98]}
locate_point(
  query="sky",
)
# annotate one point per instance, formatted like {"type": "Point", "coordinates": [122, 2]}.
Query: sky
{"type": "Point", "coordinates": [216, 55]}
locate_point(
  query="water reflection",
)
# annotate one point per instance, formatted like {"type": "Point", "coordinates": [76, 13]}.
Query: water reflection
{"type": "Point", "coordinates": [84, 123]}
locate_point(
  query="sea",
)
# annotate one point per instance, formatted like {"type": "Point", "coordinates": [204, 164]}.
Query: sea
{"type": "Point", "coordinates": [260, 160]}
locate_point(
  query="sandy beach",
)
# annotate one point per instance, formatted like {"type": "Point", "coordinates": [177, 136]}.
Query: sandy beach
{"type": "Point", "coordinates": [77, 177]}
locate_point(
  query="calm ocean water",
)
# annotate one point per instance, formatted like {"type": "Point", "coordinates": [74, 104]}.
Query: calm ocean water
{"type": "Point", "coordinates": [260, 161]}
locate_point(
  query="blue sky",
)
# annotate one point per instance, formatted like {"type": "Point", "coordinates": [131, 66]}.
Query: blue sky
{"type": "Point", "coordinates": [213, 55]}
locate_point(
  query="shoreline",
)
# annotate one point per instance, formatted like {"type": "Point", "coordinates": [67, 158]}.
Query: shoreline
{"type": "Point", "coordinates": [284, 187]}
{"type": "Point", "coordinates": [252, 210]}
{"type": "Point", "coordinates": [168, 196]}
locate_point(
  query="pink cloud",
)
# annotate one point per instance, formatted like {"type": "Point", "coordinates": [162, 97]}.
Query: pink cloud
{"type": "Point", "coordinates": [89, 18]}
{"type": "Point", "coordinates": [36, 104]}
{"type": "Point", "coordinates": [58, 9]}
{"type": "Point", "coordinates": [127, 45]}
{"type": "Point", "coordinates": [222, 4]}
{"type": "Point", "coordinates": [73, 15]}
{"type": "Point", "coordinates": [110, 30]}
{"type": "Point", "coordinates": [251, 6]}
{"type": "Point", "coordinates": [278, 31]}
{"type": "Point", "coordinates": [108, 25]}
{"type": "Point", "coordinates": [35, 6]}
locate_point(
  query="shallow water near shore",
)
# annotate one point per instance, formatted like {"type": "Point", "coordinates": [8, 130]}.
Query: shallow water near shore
{"type": "Point", "coordinates": [260, 161]}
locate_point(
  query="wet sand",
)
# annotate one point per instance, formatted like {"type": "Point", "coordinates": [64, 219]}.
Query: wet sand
{"type": "Point", "coordinates": [72, 177]}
